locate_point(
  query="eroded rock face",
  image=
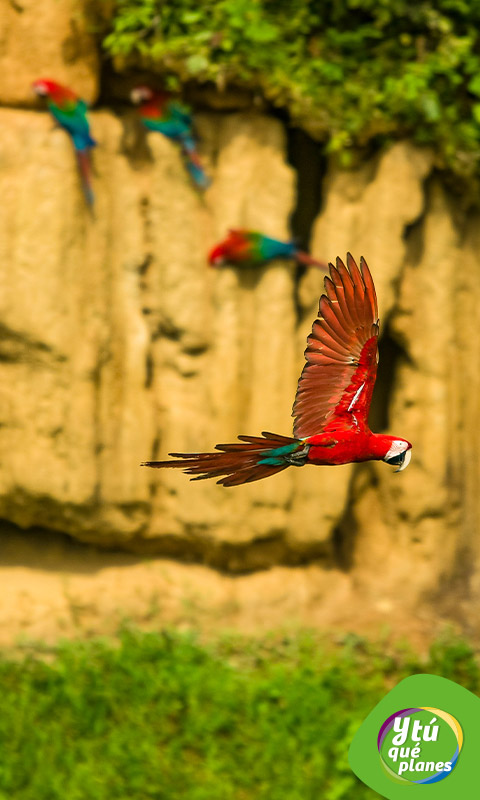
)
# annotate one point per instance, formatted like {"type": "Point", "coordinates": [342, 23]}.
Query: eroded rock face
{"type": "Point", "coordinates": [410, 541]}
{"type": "Point", "coordinates": [46, 40]}
{"type": "Point", "coordinates": [119, 344]}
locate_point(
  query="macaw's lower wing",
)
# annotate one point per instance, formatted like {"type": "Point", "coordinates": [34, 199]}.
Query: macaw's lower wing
{"type": "Point", "coordinates": [336, 385]}
{"type": "Point", "coordinates": [72, 116]}
{"type": "Point", "coordinates": [181, 113]}
{"type": "Point", "coordinates": [254, 458]}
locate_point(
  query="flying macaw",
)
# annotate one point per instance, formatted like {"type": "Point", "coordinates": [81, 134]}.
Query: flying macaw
{"type": "Point", "coordinates": [332, 401]}
{"type": "Point", "coordinates": [71, 114]}
{"type": "Point", "coordinates": [249, 248]}
{"type": "Point", "coordinates": [160, 111]}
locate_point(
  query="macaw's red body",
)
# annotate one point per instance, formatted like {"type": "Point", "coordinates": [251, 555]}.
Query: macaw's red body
{"type": "Point", "coordinates": [333, 396]}
{"type": "Point", "coordinates": [250, 248]}
{"type": "Point", "coordinates": [70, 112]}
{"type": "Point", "coordinates": [162, 112]}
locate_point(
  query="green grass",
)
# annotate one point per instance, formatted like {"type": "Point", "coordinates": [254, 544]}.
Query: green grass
{"type": "Point", "coordinates": [162, 716]}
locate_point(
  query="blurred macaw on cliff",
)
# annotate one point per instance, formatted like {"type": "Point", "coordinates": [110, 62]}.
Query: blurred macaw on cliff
{"type": "Point", "coordinates": [250, 248]}
{"type": "Point", "coordinates": [332, 401]}
{"type": "Point", "coordinates": [70, 112]}
{"type": "Point", "coordinates": [160, 111]}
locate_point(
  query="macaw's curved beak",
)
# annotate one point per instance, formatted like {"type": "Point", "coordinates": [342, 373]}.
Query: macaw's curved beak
{"type": "Point", "coordinates": [402, 460]}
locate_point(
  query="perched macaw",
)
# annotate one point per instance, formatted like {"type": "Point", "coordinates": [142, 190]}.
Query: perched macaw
{"type": "Point", "coordinates": [249, 248]}
{"type": "Point", "coordinates": [71, 114]}
{"type": "Point", "coordinates": [160, 111]}
{"type": "Point", "coordinates": [332, 401]}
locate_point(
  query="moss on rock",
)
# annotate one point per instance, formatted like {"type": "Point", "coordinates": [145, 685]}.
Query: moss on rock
{"type": "Point", "coordinates": [349, 71]}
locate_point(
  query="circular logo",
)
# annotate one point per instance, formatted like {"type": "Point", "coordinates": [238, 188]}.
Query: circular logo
{"type": "Point", "coordinates": [420, 745]}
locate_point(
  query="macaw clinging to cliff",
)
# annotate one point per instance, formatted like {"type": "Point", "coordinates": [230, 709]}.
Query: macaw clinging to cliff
{"type": "Point", "coordinates": [71, 114]}
{"type": "Point", "coordinates": [160, 111]}
{"type": "Point", "coordinates": [332, 401]}
{"type": "Point", "coordinates": [249, 248]}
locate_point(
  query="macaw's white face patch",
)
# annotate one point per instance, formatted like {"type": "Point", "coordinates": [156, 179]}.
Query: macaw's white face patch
{"type": "Point", "coordinates": [40, 89]}
{"type": "Point", "coordinates": [140, 94]}
{"type": "Point", "coordinates": [399, 455]}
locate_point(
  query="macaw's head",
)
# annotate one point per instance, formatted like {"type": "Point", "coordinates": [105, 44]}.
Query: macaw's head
{"type": "Point", "coordinates": [141, 94]}
{"type": "Point", "coordinates": [398, 454]}
{"type": "Point", "coordinates": [44, 87]}
{"type": "Point", "coordinates": [218, 256]}
{"type": "Point", "coordinates": [235, 249]}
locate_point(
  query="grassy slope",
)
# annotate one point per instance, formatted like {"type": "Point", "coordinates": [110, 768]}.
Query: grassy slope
{"type": "Point", "coordinates": [160, 716]}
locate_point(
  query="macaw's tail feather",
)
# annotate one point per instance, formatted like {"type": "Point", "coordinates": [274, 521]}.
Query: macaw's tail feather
{"type": "Point", "coordinates": [85, 169]}
{"type": "Point", "coordinates": [198, 174]}
{"type": "Point", "coordinates": [308, 261]}
{"type": "Point", "coordinates": [195, 168]}
{"type": "Point", "coordinates": [253, 459]}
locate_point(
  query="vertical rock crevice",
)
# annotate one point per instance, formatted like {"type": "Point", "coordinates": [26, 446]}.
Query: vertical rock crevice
{"type": "Point", "coordinates": [307, 158]}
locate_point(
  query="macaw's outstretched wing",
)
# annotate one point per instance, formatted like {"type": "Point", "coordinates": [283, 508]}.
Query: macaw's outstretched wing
{"type": "Point", "coordinates": [336, 385]}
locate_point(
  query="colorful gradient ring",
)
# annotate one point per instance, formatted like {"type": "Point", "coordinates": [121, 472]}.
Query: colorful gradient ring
{"type": "Point", "coordinates": [406, 712]}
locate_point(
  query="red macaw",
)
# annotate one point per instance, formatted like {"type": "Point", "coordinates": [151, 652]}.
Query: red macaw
{"type": "Point", "coordinates": [332, 401]}
{"type": "Point", "coordinates": [162, 112]}
{"type": "Point", "coordinates": [244, 248]}
{"type": "Point", "coordinates": [70, 111]}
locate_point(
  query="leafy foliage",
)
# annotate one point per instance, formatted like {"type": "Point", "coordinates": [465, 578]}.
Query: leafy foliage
{"type": "Point", "coordinates": [349, 71]}
{"type": "Point", "coordinates": [159, 716]}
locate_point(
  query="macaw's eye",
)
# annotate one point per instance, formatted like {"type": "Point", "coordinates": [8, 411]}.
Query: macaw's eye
{"type": "Point", "coordinates": [402, 460]}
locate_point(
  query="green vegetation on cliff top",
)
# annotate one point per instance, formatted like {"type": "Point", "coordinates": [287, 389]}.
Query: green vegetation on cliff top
{"type": "Point", "coordinates": [348, 71]}
{"type": "Point", "coordinates": [160, 716]}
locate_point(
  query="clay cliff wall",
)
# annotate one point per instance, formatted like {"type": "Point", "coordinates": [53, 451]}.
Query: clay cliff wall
{"type": "Point", "coordinates": [118, 343]}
